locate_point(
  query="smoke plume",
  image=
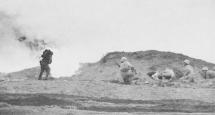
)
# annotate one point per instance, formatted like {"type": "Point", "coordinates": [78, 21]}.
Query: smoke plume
{"type": "Point", "coordinates": [18, 48]}
{"type": "Point", "coordinates": [21, 48]}
{"type": "Point", "coordinates": [11, 31]}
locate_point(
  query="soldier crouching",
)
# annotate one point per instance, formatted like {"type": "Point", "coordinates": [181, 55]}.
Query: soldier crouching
{"type": "Point", "coordinates": [127, 71]}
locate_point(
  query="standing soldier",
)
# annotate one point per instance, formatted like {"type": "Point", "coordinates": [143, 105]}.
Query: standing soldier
{"type": "Point", "coordinates": [44, 63]}
{"type": "Point", "coordinates": [127, 71]}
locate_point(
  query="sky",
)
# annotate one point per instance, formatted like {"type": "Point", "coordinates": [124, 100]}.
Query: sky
{"type": "Point", "coordinates": [85, 30]}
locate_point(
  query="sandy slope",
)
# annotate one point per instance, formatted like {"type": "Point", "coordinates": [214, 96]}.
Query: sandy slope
{"type": "Point", "coordinates": [101, 97]}
{"type": "Point", "coordinates": [95, 89]}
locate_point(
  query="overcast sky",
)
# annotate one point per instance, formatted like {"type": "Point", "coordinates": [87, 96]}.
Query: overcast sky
{"type": "Point", "coordinates": [85, 30]}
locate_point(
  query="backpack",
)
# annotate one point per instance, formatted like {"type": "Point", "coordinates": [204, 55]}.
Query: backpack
{"type": "Point", "coordinates": [47, 56]}
{"type": "Point", "coordinates": [125, 67]}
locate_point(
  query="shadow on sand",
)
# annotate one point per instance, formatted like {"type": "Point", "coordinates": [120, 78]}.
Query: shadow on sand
{"type": "Point", "coordinates": [114, 105]}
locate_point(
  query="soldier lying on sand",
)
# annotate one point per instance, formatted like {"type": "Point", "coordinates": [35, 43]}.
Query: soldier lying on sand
{"type": "Point", "coordinates": [167, 74]}
{"type": "Point", "coordinates": [208, 74]}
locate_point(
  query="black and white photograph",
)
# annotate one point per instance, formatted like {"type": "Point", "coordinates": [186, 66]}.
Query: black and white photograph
{"type": "Point", "coordinates": [107, 57]}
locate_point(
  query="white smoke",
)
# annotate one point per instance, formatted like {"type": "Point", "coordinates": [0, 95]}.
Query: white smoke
{"type": "Point", "coordinates": [12, 52]}
{"type": "Point", "coordinates": [18, 49]}
{"type": "Point", "coordinates": [84, 30]}
{"type": "Point", "coordinates": [21, 48]}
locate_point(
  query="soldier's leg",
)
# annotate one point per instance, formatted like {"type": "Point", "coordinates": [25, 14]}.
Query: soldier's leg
{"type": "Point", "coordinates": [127, 79]}
{"type": "Point", "coordinates": [47, 72]}
{"type": "Point", "coordinates": [130, 76]}
{"type": "Point", "coordinates": [191, 78]}
{"type": "Point", "coordinates": [124, 77]}
{"type": "Point", "coordinates": [184, 77]}
{"type": "Point", "coordinates": [41, 73]}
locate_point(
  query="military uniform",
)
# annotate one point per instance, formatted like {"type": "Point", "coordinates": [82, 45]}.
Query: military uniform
{"type": "Point", "coordinates": [208, 74]}
{"type": "Point", "coordinates": [188, 71]}
{"type": "Point", "coordinates": [127, 71]}
{"type": "Point", "coordinates": [44, 64]}
{"type": "Point", "coordinates": [165, 74]}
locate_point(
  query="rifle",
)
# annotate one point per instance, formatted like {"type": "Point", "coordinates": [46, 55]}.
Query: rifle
{"type": "Point", "coordinates": [118, 65]}
{"type": "Point", "coordinates": [132, 68]}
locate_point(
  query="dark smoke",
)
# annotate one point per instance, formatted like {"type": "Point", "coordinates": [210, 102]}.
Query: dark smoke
{"type": "Point", "coordinates": [35, 44]}
{"type": "Point", "coordinates": [11, 30]}
{"type": "Point", "coordinates": [19, 46]}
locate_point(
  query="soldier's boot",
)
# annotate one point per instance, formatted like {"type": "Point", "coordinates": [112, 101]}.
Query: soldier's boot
{"type": "Point", "coordinates": [47, 73]}
{"type": "Point", "coordinates": [41, 73]}
{"type": "Point", "coordinates": [127, 80]}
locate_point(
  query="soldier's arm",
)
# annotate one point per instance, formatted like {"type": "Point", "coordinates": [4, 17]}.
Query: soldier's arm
{"type": "Point", "coordinates": [186, 73]}
{"type": "Point", "coordinates": [134, 70]}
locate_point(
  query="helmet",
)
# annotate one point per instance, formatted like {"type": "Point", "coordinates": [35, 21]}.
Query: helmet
{"type": "Point", "coordinates": [205, 68]}
{"type": "Point", "coordinates": [123, 59]}
{"type": "Point", "coordinates": [187, 61]}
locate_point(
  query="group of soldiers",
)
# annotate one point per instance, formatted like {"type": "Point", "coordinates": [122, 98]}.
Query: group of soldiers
{"type": "Point", "coordinates": [128, 71]}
